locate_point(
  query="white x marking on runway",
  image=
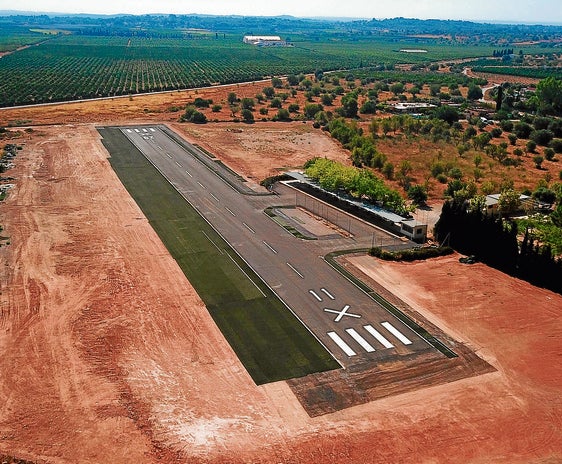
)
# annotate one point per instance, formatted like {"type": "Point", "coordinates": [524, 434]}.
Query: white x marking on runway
{"type": "Point", "coordinates": [341, 313]}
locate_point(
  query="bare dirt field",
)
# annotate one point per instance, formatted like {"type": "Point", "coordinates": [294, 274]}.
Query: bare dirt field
{"type": "Point", "coordinates": [265, 149]}
{"type": "Point", "coordinates": [108, 355]}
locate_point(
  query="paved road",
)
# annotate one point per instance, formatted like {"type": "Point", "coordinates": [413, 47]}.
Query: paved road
{"type": "Point", "coordinates": [352, 327]}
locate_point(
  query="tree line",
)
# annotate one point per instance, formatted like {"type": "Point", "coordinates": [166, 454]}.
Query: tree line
{"type": "Point", "coordinates": [494, 242]}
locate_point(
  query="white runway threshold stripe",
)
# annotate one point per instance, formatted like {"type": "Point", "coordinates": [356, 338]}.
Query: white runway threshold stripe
{"type": "Point", "coordinates": [380, 338]}
{"type": "Point", "coordinates": [394, 331]}
{"type": "Point", "coordinates": [359, 339]}
{"type": "Point", "coordinates": [344, 346]}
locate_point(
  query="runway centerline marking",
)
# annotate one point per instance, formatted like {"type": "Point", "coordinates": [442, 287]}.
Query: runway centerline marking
{"type": "Point", "coordinates": [202, 186]}
{"type": "Point", "coordinates": [168, 155]}
{"type": "Point", "coordinates": [388, 326]}
{"type": "Point", "coordinates": [344, 346]}
{"type": "Point", "coordinates": [269, 246]}
{"type": "Point", "coordinates": [230, 211]}
{"type": "Point", "coordinates": [315, 295]}
{"type": "Point", "coordinates": [341, 313]}
{"type": "Point", "coordinates": [214, 196]}
{"type": "Point", "coordinates": [328, 293]}
{"type": "Point", "coordinates": [249, 228]}
{"type": "Point", "coordinates": [179, 164]}
{"type": "Point", "coordinates": [359, 339]}
{"type": "Point", "coordinates": [295, 270]}
{"type": "Point", "coordinates": [188, 173]}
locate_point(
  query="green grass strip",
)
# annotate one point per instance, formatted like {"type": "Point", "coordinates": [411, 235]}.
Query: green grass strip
{"type": "Point", "coordinates": [268, 339]}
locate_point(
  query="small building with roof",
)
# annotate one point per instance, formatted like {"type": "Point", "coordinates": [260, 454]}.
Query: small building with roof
{"type": "Point", "coordinates": [264, 40]}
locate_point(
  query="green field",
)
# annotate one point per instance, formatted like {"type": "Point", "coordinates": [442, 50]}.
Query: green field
{"type": "Point", "coordinates": [12, 38]}
{"type": "Point", "coordinates": [70, 67]}
{"type": "Point", "coordinates": [270, 342]}
{"type": "Point", "coordinates": [120, 55]}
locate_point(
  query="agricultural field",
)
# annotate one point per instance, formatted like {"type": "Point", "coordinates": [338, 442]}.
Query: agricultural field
{"type": "Point", "coordinates": [12, 38]}
{"type": "Point", "coordinates": [94, 58]}
{"type": "Point", "coordinates": [84, 67]}
{"type": "Point", "coordinates": [80, 67]}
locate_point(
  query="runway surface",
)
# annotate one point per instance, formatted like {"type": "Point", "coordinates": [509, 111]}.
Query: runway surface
{"type": "Point", "coordinates": [351, 325]}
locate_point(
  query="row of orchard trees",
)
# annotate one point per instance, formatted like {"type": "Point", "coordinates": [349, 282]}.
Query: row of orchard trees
{"type": "Point", "coordinates": [360, 183]}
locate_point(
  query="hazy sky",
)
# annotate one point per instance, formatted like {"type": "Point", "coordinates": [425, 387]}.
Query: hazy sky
{"type": "Point", "coordinates": [537, 11]}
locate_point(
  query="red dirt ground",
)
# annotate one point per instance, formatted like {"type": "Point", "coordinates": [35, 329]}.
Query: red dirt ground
{"type": "Point", "coordinates": [107, 354]}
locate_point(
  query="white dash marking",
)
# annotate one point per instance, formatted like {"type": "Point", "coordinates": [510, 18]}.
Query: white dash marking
{"type": "Point", "coordinates": [380, 338]}
{"type": "Point", "coordinates": [394, 331]}
{"type": "Point", "coordinates": [295, 270]}
{"type": "Point", "coordinates": [188, 173]}
{"type": "Point", "coordinates": [269, 246]}
{"type": "Point", "coordinates": [328, 293]}
{"type": "Point", "coordinates": [202, 186]}
{"type": "Point", "coordinates": [344, 346]}
{"type": "Point", "coordinates": [230, 211]}
{"type": "Point", "coordinates": [249, 228]}
{"type": "Point", "coordinates": [359, 339]}
{"type": "Point", "coordinates": [168, 155]}
{"type": "Point", "coordinates": [214, 196]}
{"type": "Point", "coordinates": [179, 164]}
{"type": "Point", "coordinates": [315, 295]}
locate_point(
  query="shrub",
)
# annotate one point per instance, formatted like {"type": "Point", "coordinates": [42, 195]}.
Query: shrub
{"type": "Point", "coordinates": [506, 125]}
{"type": "Point", "coordinates": [388, 170]}
{"type": "Point", "coordinates": [556, 145]}
{"type": "Point", "coordinates": [293, 107]}
{"type": "Point", "coordinates": [541, 137]}
{"type": "Point", "coordinates": [247, 116]}
{"type": "Point", "coordinates": [202, 102]}
{"type": "Point", "coordinates": [411, 254]}
{"type": "Point", "coordinates": [418, 194]}
{"type": "Point", "coordinates": [442, 178]}
{"type": "Point", "coordinates": [549, 154]}
{"type": "Point", "coordinates": [283, 115]}
{"type": "Point", "coordinates": [496, 132]}
{"type": "Point", "coordinates": [455, 173]}
{"type": "Point", "coordinates": [522, 130]}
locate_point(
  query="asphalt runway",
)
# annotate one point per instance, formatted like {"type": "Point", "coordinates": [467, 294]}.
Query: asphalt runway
{"type": "Point", "coordinates": [352, 326]}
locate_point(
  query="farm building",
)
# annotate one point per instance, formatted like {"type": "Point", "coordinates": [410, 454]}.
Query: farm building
{"type": "Point", "coordinates": [526, 204]}
{"type": "Point", "coordinates": [409, 107]}
{"type": "Point", "coordinates": [264, 40]}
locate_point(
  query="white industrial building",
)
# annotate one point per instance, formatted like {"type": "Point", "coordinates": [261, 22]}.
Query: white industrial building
{"type": "Point", "coordinates": [264, 40]}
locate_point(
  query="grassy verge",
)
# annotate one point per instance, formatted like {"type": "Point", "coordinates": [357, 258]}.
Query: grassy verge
{"type": "Point", "coordinates": [270, 342]}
